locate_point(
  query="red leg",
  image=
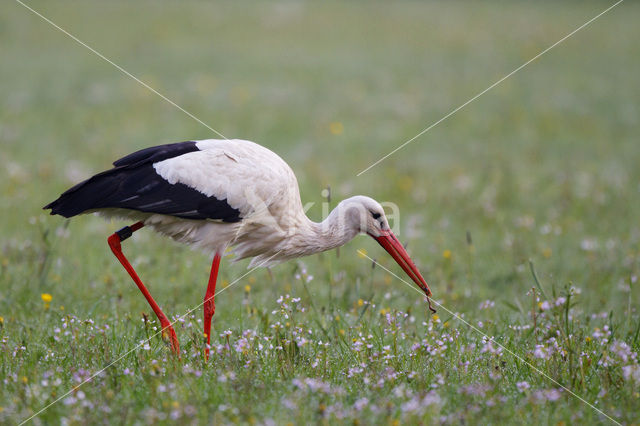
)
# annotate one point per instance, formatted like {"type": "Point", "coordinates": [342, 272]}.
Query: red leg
{"type": "Point", "coordinates": [209, 304]}
{"type": "Point", "coordinates": [114, 242]}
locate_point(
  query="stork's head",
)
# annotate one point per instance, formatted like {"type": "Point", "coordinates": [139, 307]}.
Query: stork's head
{"type": "Point", "coordinates": [365, 215]}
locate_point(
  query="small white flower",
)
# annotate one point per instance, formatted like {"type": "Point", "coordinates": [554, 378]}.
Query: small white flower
{"type": "Point", "coordinates": [360, 404]}
{"type": "Point", "coordinates": [631, 372]}
{"type": "Point", "coordinates": [541, 352]}
{"type": "Point", "coordinates": [487, 304]}
{"type": "Point", "coordinates": [553, 394]}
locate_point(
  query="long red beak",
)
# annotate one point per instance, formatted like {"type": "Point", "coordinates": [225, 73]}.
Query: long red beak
{"type": "Point", "coordinates": [397, 251]}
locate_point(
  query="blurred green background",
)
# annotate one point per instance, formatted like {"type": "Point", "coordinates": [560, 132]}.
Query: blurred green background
{"type": "Point", "coordinates": [544, 167]}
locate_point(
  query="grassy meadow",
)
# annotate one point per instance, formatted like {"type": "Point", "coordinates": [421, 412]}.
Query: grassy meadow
{"type": "Point", "coordinates": [522, 211]}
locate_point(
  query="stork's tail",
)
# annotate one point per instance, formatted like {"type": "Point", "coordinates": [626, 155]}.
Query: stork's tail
{"type": "Point", "coordinates": [87, 195]}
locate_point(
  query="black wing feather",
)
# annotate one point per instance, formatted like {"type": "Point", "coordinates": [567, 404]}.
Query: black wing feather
{"type": "Point", "coordinates": [156, 153]}
{"type": "Point", "coordinates": [134, 184]}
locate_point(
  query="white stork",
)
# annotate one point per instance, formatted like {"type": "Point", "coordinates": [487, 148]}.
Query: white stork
{"type": "Point", "coordinates": [215, 194]}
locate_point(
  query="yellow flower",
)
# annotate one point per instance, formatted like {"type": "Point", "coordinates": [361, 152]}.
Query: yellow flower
{"type": "Point", "coordinates": [336, 128]}
{"type": "Point", "coordinates": [362, 253]}
{"type": "Point", "coordinates": [46, 297]}
{"type": "Point", "coordinates": [588, 339]}
{"type": "Point", "coordinates": [337, 318]}
{"type": "Point", "coordinates": [24, 379]}
{"type": "Point", "coordinates": [446, 254]}
{"type": "Point", "coordinates": [1, 320]}
{"type": "Point", "coordinates": [247, 288]}
{"type": "Point", "coordinates": [405, 183]}
{"type": "Point", "coordinates": [360, 302]}
{"type": "Point", "coordinates": [341, 331]}
{"type": "Point", "coordinates": [547, 252]}
{"type": "Point", "coordinates": [435, 317]}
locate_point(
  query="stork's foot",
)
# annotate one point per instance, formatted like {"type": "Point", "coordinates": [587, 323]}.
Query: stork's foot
{"type": "Point", "coordinates": [169, 334]}
{"type": "Point", "coordinates": [209, 310]}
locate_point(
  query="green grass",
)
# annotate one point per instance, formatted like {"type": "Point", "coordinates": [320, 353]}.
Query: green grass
{"type": "Point", "coordinates": [544, 168]}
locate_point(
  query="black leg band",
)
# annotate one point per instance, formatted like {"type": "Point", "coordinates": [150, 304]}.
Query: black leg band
{"type": "Point", "coordinates": [124, 233]}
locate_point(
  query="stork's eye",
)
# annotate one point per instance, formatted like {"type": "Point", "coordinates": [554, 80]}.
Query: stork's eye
{"type": "Point", "coordinates": [375, 215]}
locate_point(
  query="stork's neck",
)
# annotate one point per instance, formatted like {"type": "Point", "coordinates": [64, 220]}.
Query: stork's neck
{"type": "Point", "coordinates": [314, 237]}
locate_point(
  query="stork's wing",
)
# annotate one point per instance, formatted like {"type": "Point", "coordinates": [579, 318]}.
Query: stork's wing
{"type": "Point", "coordinates": [250, 177]}
{"type": "Point", "coordinates": [135, 184]}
